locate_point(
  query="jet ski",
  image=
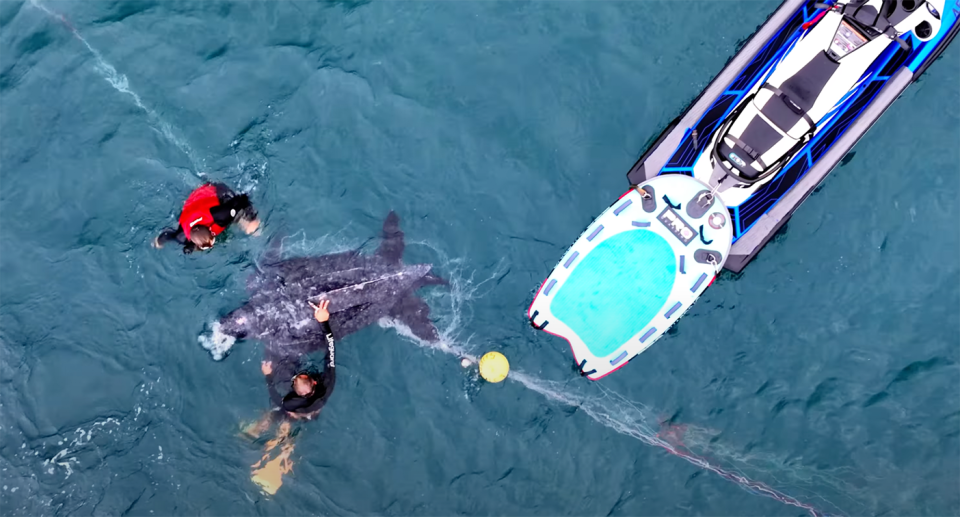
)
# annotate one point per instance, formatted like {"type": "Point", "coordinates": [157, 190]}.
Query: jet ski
{"type": "Point", "coordinates": [790, 105]}
{"type": "Point", "coordinates": [723, 177]}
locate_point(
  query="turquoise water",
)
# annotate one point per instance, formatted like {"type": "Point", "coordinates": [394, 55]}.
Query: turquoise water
{"type": "Point", "coordinates": [498, 131]}
{"type": "Point", "coordinates": [617, 289]}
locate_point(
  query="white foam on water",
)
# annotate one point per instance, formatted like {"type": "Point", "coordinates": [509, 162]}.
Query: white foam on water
{"type": "Point", "coordinates": [442, 345]}
{"type": "Point", "coordinates": [250, 174]}
{"type": "Point", "coordinates": [120, 83]}
{"type": "Point", "coordinates": [66, 471]}
{"type": "Point", "coordinates": [451, 304]}
{"type": "Point", "coordinates": [217, 342]}
{"type": "Point", "coordinates": [66, 457]}
{"type": "Point", "coordinates": [297, 244]}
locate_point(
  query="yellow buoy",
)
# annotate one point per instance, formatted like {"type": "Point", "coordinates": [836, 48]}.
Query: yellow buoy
{"type": "Point", "coordinates": [494, 367]}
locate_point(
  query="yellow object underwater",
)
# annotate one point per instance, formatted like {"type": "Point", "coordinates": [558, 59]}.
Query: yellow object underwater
{"type": "Point", "coordinates": [494, 367]}
{"type": "Point", "coordinates": [268, 473]}
{"type": "Point", "coordinates": [270, 476]}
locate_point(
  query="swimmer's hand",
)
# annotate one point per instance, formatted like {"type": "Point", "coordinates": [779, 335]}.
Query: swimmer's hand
{"type": "Point", "coordinates": [156, 242]}
{"type": "Point", "coordinates": [249, 227]}
{"type": "Point", "coordinates": [266, 367]}
{"type": "Point", "coordinates": [320, 312]}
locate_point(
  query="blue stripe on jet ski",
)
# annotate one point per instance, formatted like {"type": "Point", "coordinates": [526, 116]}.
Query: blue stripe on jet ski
{"type": "Point", "coordinates": [736, 223]}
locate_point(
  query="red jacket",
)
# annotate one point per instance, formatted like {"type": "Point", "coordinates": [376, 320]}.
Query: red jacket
{"type": "Point", "coordinates": [196, 210]}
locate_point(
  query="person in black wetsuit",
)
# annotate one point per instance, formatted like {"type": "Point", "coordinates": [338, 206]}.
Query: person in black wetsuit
{"type": "Point", "coordinates": [309, 390]}
{"type": "Point", "coordinates": [207, 212]}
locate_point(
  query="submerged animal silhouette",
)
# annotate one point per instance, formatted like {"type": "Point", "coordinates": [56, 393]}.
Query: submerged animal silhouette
{"type": "Point", "coordinates": [361, 288]}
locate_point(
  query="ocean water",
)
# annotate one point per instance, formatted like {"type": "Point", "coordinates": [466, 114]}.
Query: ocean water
{"type": "Point", "coordinates": [823, 379]}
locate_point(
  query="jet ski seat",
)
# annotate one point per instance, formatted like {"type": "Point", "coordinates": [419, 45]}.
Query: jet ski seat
{"type": "Point", "coordinates": [799, 93]}
{"type": "Point", "coordinates": [785, 106]}
{"type": "Point", "coordinates": [757, 139]}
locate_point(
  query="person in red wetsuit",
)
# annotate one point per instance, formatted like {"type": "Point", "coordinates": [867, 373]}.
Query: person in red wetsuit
{"type": "Point", "coordinates": [208, 211]}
